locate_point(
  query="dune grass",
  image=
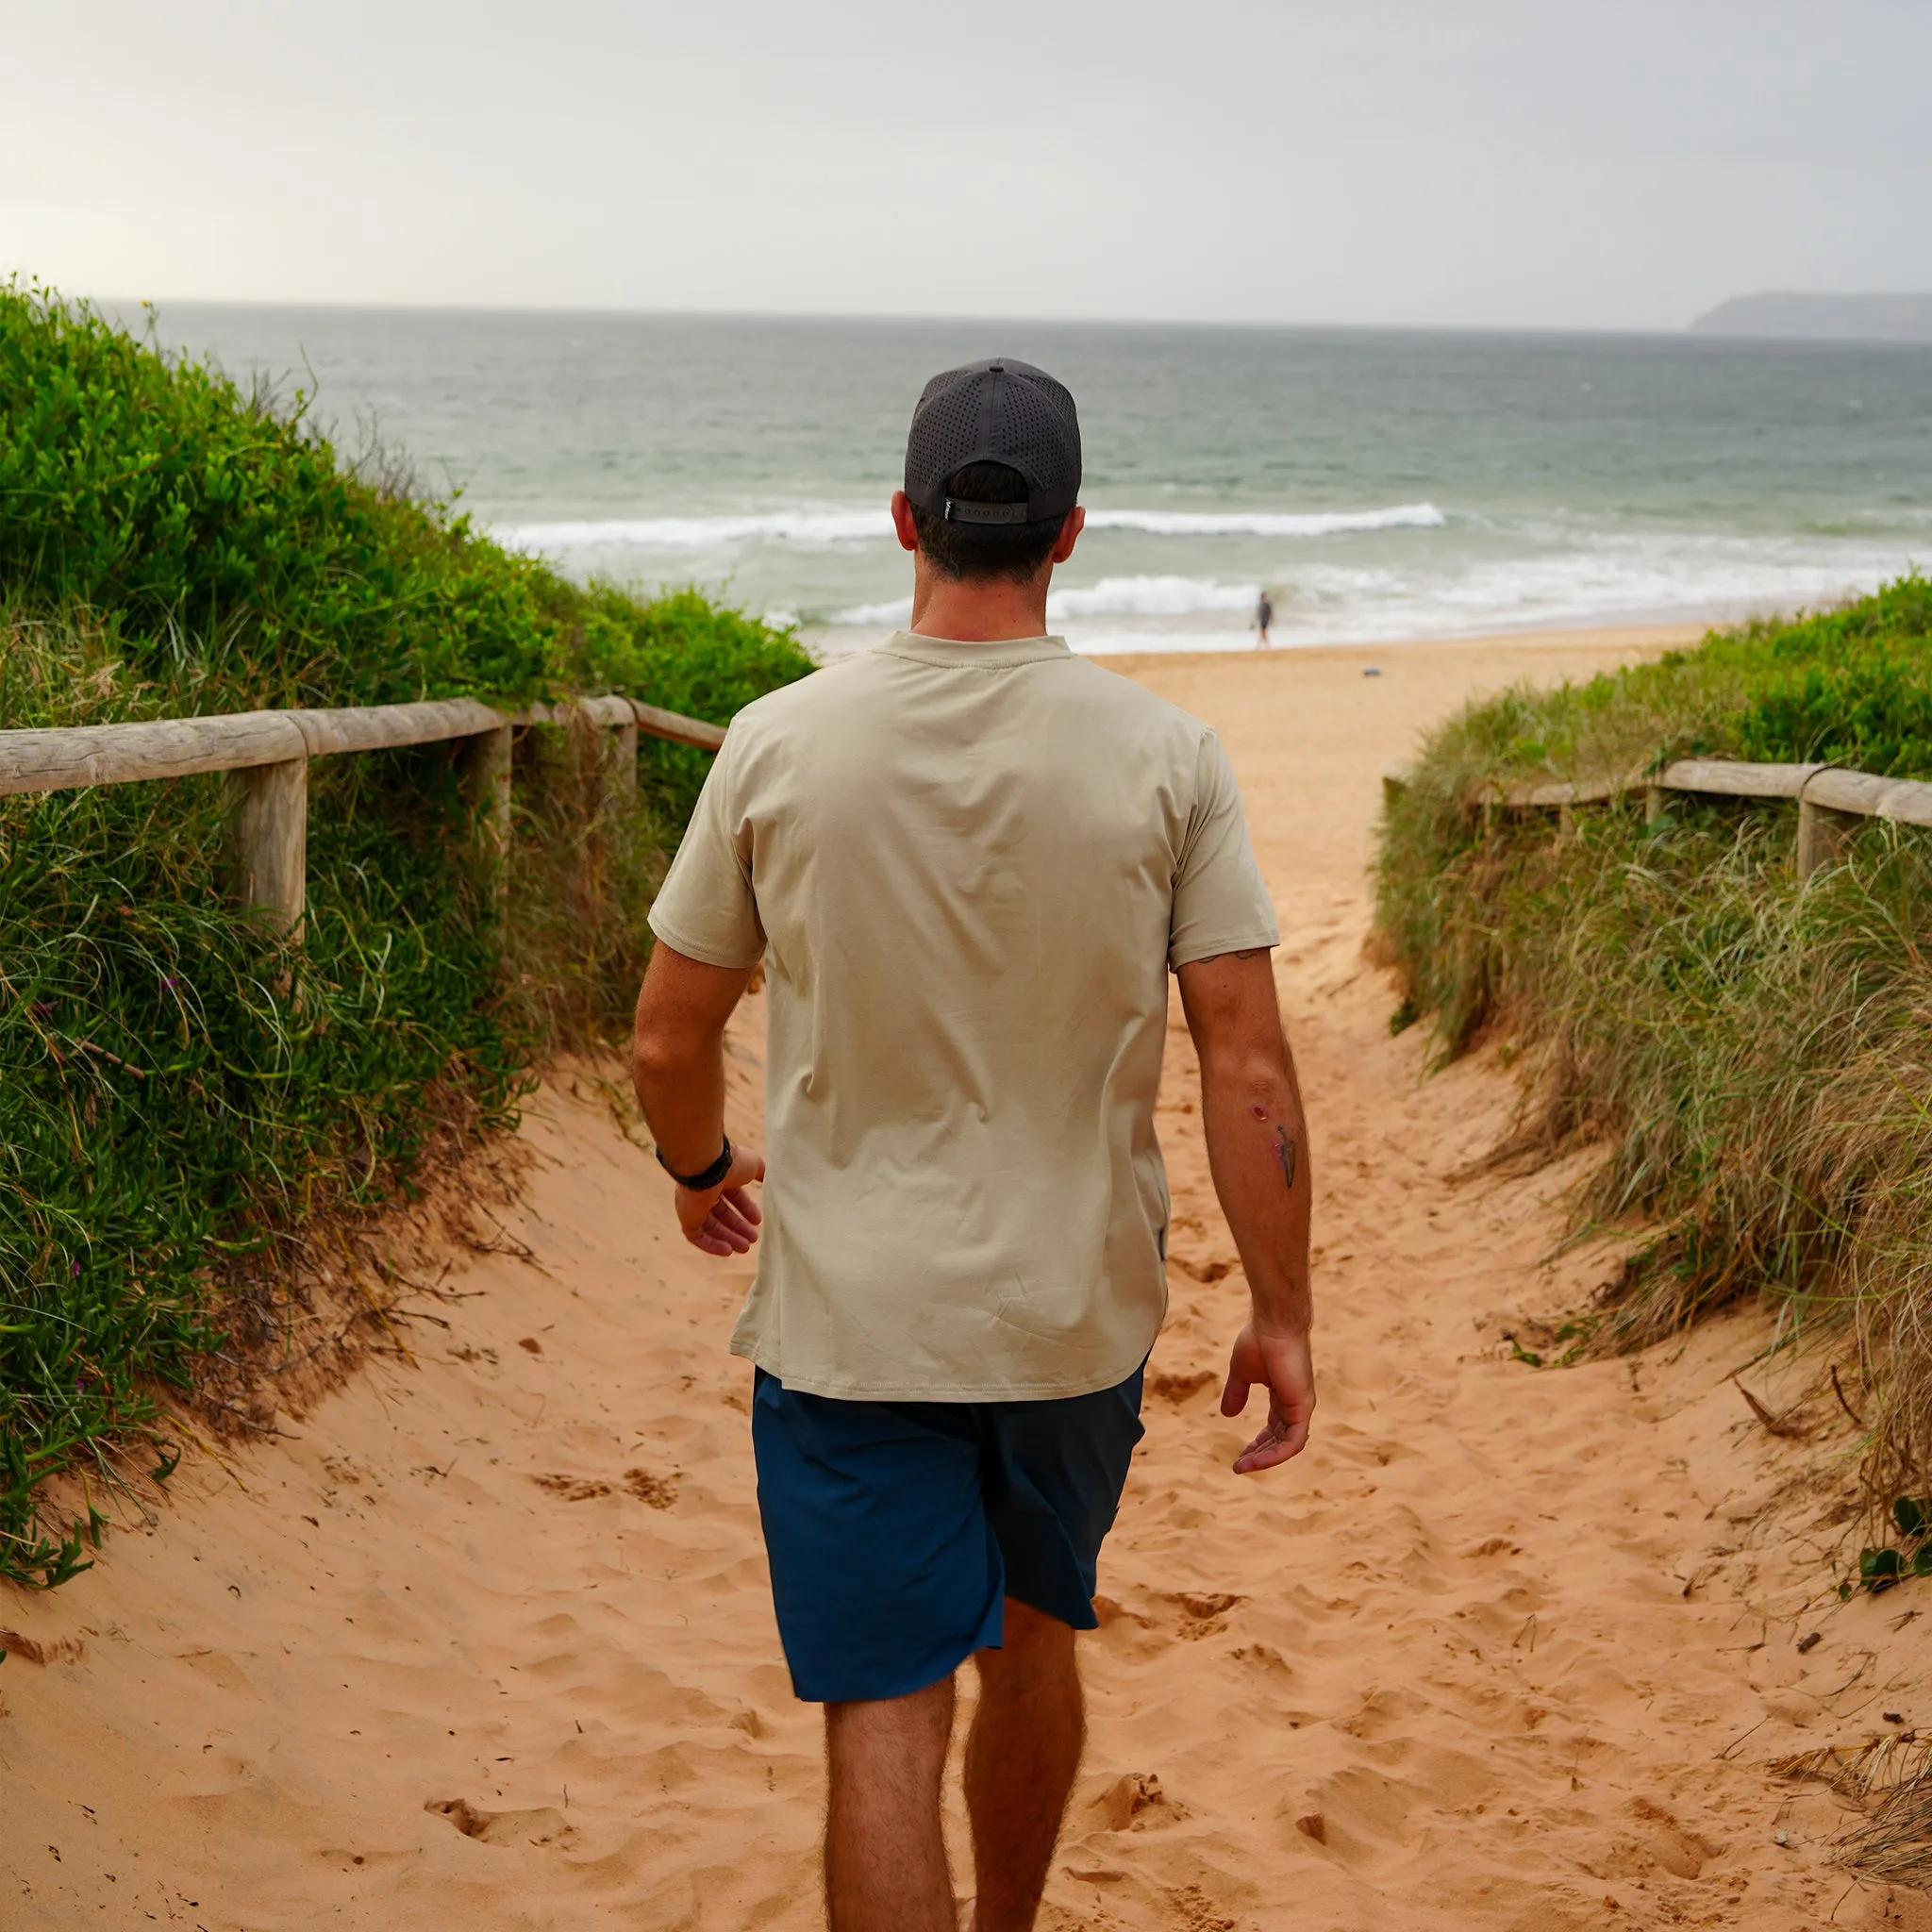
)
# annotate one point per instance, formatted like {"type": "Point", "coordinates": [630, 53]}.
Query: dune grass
{"type": "Point", "coordinates": [171, 1119]}
{"type": "Point", "coordinates": [1754, 1054]}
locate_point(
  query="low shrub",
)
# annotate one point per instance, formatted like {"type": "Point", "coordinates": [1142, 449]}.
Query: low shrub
{"type": "Point", "coordinates": [1754, 1053]}
{"type": "Point", "coordinates": [181, 1094]}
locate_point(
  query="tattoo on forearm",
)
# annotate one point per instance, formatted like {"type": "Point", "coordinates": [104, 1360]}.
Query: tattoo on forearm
{"type": "Point", "coordinates": [1284, 1153]}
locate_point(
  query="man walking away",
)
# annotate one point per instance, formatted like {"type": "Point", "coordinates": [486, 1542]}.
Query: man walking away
{"type": "Point", "coordinates": [968, 860]}
{"type": "Point", "coordinates": [1264, 616]}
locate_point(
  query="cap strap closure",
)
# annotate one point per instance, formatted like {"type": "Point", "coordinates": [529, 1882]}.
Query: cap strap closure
{"type": "Point", "coordinates": [959, 512]}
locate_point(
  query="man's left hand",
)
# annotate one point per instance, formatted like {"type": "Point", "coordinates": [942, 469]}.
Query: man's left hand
{"type": "Point", "coordinates": [1279, 1361]}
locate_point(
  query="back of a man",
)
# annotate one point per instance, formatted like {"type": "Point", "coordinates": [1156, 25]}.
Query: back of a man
{"type": "Point", "coordinates": [974, 865]}
{"type": "Point", "coordinates": [968, 862]}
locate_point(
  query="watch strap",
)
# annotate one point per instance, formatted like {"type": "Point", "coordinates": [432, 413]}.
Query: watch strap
{"type": "Point", "coordinates": [707, 1177]}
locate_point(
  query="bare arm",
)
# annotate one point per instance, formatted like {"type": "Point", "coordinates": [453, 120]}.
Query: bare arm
{"type": "Point", "coordinates": [677, 1066]}
{"type": "Point", "coordinates": [1257, 1151]}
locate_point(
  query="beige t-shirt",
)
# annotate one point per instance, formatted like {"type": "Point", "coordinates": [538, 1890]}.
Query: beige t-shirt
{"type": "Point", "coordinates": [968, 868]}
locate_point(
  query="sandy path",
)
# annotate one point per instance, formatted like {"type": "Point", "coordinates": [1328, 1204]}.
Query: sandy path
{"type": "Point", "coordinates": [1505, 1649]}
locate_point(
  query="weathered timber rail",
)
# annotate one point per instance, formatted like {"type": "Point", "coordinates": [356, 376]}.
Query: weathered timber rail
{"type": "Point", "coordinates": [1830, 799]}
{"type": "Point", "coordinates": [268, 753]}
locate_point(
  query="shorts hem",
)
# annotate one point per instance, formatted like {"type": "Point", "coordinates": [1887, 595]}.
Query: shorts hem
{"type": "Point", "coordinates": [922, 1679]}
{"type": "Point", "coordinates": [1059, 1616]}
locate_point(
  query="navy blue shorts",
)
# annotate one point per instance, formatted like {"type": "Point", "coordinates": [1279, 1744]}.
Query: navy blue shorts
{"type": "Point", "coordinates": [898, 1530]}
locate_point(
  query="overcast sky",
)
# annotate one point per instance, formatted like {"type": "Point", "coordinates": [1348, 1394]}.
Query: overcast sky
{"type": "Point", "coordinates": [1618, 163]}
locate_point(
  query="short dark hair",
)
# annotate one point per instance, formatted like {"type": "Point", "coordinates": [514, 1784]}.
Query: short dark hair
{"type": "Point", "coordinates": [984, 550]}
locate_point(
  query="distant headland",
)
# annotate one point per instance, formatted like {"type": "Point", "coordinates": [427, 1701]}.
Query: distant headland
{"type": "Point", "coordinates": [1822, 318]}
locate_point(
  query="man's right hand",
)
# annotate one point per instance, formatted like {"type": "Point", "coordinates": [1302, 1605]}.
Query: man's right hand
{"type": "Point", "coordinates": [677, 1065]}
{"type": "Point", "coordinates": [1281, 1362]}
{"type": "Point", "coordinates": [725, 1220]}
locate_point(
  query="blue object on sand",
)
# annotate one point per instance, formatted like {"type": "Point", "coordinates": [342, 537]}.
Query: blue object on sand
{"type": "Point", "coordinates": [1371, 671]}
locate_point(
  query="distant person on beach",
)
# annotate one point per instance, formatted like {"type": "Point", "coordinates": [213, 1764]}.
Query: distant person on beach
{"type": "Point", "coordinates": [1264, 615]}
{"type": "Point", "coordinates": [968, 860]}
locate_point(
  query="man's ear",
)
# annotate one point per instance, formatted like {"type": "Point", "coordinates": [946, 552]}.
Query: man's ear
{"type": "Point", "coordinates": [902, 520]}
{"type": "Point", "coordinates": [1069, 536]}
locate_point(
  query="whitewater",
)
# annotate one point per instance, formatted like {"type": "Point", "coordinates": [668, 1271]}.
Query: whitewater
{"type": "Point", "coordinates": [862, 525]}
{"type": "Point", "coordinates": [1547, 572]}
{"type": "Point", "coordinates": [1375, 484]}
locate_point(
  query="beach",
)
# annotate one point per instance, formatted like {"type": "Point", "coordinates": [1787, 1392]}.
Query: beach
{"type": "Point", "coordinates": [484, 1635]}
{"type": "Point", "coordinates": [1446, 484]}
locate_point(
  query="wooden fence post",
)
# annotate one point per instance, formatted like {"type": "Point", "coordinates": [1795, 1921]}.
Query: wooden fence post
{"type": "Point", "coordinates": [620, 767]}
{"type": "Point", "coordinates": [486, 761]}
{"type": "Point", "coordinates": [270, 840]}
{"type": "Point", "coordinates": [1821, 832]}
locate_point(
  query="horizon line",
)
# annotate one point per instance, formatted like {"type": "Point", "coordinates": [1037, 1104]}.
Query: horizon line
{"type": "Point", "coordinates": [611, 312]}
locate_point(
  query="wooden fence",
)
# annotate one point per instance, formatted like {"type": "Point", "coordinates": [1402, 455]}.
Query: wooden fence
{"type": "Point", "coordinates": [268, 752]}
{"type": "Point", "coordinates": [1829, 798]}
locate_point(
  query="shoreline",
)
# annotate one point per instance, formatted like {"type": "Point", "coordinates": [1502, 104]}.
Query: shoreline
{"type": "Point", "coordinates": [1581, 637]}
{"type": "Point", "coordinates": [1592, 639]}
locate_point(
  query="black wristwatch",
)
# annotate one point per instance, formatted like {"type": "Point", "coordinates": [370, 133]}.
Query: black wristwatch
{"type": "Point", "coordinates": [710, 1177]}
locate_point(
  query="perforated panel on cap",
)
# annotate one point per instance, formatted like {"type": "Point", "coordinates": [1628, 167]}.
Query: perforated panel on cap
{"type": "Point", "coordinates": [996, 411]}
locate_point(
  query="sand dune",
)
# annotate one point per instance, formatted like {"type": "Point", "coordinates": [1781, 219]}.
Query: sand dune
{"type": "Point", "coordinates": [486, 1642]}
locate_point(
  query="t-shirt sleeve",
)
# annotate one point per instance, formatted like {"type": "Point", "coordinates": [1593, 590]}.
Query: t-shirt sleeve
{"type": "Point", "coordinates": [707, 909]}
{"type": "Point", "coordinates": [1221, 903]}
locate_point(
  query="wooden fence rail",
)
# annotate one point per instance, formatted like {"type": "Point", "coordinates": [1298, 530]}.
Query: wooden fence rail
{"type": "Point", "coordinates": [1829, 798]}
{"type": "Point", "coordinates": [268, 753]}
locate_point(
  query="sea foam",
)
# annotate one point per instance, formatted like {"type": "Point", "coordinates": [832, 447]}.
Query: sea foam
{"type": "Point", "coordinates": [825, 527]}
{"type": "Point", "coordinates": [1268, 523]}
{"type": "Point", "coordinates": [1150, 596]}
{"type": "Point", "coordinates": [804, 526]}
{"type": "Point", "coordinates": [1139, 596]}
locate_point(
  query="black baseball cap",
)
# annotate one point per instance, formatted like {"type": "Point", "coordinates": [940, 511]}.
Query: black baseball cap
{"type": "Point", "coordinates": [997, 412]}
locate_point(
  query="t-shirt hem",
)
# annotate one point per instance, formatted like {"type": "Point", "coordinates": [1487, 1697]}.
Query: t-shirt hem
{"type": "Point", "coordinates": [1212, 948]}
{"type": "Point", "coordinates": [848, 1388]}
{"type": "Point", "coordinates": [693, 949]}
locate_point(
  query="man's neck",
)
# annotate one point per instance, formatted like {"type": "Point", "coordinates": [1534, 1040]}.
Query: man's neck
{"type": "Point", "coordinates": [978, 610]}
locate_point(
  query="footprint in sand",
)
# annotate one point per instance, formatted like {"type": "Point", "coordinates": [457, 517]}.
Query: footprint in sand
{"type": "Point", "coordinates": [1660, 1840]}
{"type": "Point", "coordinates": [1194, 1911]}
{"type": "Point", "coordinates": [655, 1492]}
{"type": "Point", "coordinates": [544, 1825]}
{"type": "Point", "coordinates": [1204, 1272]}
{"type": "Point", "coordinates": [1133, 1802]}
{"type": "Point", "coordinates": [1202, 1613]}
{"type": "Point", "coordinates": [1172, 1386]}
{"type": "Point", "coordinates": [61, 1650]}
{"type": "Point", "coordinates": [572, 1489]}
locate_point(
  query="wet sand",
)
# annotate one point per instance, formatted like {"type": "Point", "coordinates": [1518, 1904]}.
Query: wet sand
{"type": "Point", "coordinates": [486, 1642]}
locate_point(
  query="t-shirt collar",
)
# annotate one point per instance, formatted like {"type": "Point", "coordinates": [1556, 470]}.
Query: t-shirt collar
{"type": "Point", "coordinates": [996, 655]}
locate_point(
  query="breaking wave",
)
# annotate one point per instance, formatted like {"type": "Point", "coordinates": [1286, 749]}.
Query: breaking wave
{"type": "Point", "coordinates": [1144, 596]}
{"type": "Point", "coordinates": [821, 528]}
{"type": "Point", "coordinates": [804, 526]}
{"type": "Point", "coordinates": [1267, 523]}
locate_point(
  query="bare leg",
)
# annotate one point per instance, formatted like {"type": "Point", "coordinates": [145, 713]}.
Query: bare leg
{"type": "Point", "coordinates": [885, 1853]}
{"type": "Point", "coordinates": [1020, 1756]}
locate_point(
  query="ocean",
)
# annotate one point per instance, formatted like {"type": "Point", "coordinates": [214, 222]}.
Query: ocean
{"type": "Point", "coordinates": [1379, 484]}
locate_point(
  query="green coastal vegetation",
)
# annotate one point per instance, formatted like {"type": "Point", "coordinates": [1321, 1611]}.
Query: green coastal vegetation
{"type": "Point", "coordinates": [1753, 1053]}
{"type": "Point", "coordinates": [175, 1116]}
